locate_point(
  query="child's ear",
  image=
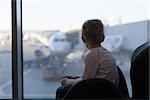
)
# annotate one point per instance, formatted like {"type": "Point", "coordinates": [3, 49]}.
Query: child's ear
{"type": "Point", "coordinates": [83, 39]}
{"type": "Point", "coordinates": [102, 38]}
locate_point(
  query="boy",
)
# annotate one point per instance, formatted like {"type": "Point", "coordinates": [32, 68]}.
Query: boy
{"type": "Point", "coordinates": [99, 63]}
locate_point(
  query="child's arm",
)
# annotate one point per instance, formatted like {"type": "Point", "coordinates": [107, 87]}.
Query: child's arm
{"type": "Point", "coordinates": [71, 77]}
{"type": "Point", "coordinates": [66, 81]}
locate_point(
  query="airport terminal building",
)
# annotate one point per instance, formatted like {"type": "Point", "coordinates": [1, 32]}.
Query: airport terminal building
{"type": "Point", "coordinates": [134, 34]}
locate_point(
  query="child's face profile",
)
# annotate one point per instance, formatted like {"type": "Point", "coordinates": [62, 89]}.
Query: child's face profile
{"type": "Point", "coordinates": [85, 40]}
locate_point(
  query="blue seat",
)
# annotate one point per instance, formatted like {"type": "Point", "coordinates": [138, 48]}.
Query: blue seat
{"type": "Point", "coordinates": [94, 89]}
{"type": "Point", "coordinates": [122, 84]}
{"type": "Point", "coordinates": [139, 72]}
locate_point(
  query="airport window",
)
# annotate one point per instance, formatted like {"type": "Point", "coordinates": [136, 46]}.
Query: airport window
{"type": "Point", "coordinates": [52, 45]}
{"type": "Point", "coordinates": [5, 50]}
{"type": "Point", "coordinates": [56, 24]}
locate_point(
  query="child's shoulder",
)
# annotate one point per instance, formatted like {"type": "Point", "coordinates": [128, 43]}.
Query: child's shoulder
{"type": "Point", "coordinates": [93, 53]}
{"type": "Point", "coordinates": [98, 51]}
{"type": "Point", "coordinates": [104, 53]}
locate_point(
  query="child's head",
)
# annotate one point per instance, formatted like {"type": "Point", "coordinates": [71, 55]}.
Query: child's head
{"type": "Point", "coordinates": [93, 33]}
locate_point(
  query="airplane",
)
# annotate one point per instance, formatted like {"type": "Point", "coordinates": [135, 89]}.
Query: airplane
{"type": "Point", "coordinates": [57, 43]}
{"type": "Point", "coordinates": [53, 61]}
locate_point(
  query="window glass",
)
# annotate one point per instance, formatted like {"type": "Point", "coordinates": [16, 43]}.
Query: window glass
{"type": "Point", "coordinates": [5, 50]}
{"type": "Point", "coordinates": [47, 24]}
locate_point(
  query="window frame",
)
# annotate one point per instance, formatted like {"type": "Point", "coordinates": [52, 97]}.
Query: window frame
{"type": "Point", "coordinates": [17, 52]}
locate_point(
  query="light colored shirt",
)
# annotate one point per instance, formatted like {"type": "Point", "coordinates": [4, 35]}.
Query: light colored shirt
{"type": "Point", "coordinates": [99, 63]}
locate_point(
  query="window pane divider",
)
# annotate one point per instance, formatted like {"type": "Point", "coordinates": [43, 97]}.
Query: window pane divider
{"type": "Point", "coordinates": [17, 54]}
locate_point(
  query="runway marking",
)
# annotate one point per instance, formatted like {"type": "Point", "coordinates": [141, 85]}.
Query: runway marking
{"type": "Point", "coordinates": [10, 81]}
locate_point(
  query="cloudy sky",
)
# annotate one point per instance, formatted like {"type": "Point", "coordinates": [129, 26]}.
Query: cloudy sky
{"type": "Point", "coordinates": [70, 14]}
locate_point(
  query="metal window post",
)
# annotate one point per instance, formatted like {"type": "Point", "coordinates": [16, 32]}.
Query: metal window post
{"type": "Point", "coordinates": [17, 56]}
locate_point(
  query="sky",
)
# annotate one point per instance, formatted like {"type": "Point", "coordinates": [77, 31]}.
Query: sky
{"type": "Point", "coordinates": [70, 14]}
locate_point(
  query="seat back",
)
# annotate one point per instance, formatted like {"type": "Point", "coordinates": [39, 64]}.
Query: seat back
{"type": "Point", "coordinates": [139, 72]}
{"type": "Point", "coordinates": [93, 89]}
{"type": "Point", "coordinates": [122, 84]}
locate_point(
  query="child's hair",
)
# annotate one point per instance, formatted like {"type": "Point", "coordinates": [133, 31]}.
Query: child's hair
{"type": "Point", "coordinates": [93, 30]}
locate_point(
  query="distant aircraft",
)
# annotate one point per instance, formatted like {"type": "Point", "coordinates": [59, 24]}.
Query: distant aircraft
{"type": "Point", "coordinates": [54, 63]}
{"type": "Point", "coordinates": [57, 43]}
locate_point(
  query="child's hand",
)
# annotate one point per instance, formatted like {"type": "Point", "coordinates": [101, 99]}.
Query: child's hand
{"type": "Point", "coordinates": [63, 81]}
{"type": "Point", "coordinates": [71, 77]}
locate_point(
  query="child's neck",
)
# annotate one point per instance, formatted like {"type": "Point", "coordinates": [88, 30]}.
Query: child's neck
{"type": "Point", "coordinates": [95, 46]}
